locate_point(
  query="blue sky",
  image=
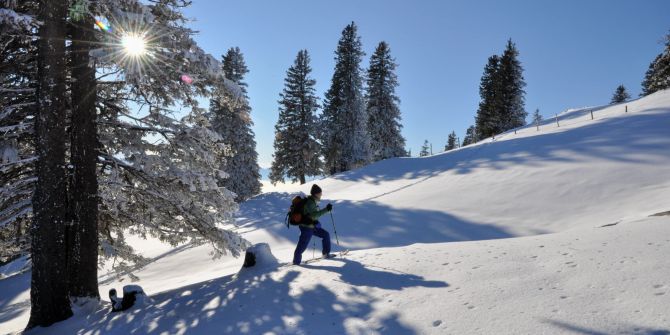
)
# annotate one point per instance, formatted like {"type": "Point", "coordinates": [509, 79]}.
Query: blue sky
{"type": "Point", "coordinates": [575, 53]}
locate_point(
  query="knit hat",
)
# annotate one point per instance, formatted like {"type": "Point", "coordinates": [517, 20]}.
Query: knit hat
{"type": "Point", "coordinates": [315, 189]}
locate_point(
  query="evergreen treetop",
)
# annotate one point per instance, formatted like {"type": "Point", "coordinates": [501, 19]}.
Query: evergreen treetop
{"type": "Point", "coordinates": [657, 76]}
{"type": "Point", "coordinates": [620, 95]}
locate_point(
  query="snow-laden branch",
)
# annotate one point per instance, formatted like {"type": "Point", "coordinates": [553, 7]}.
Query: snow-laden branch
{"type": "Point", "coordinates": [10, 19]}
{"type": "Point", "coordinates": [14, 164]}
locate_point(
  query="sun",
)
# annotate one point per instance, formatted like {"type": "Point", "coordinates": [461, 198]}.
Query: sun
{"type": "Point", "coordinates": [134, 45]}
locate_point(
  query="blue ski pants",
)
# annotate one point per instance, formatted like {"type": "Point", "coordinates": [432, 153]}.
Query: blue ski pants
{"type": "Point", "coordinates": [306, 235]}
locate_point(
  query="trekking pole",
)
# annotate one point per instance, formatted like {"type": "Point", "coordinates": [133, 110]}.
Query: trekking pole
{"type": "Point", "coordinates": [334, 229]}
{"type": "Point", "coordinates": [313, 249]}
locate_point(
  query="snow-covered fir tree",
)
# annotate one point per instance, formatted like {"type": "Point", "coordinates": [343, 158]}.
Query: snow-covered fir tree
{"type": "Point", "coordinates": [537, 117]}
{"type": "Point", "coordinates": [49, 291]}
{"type": "Point", "coordinates": [502, 94]}
{"type": "Point", "coordinates": [425, 149]}
{"type": "Point", "coordinates": [452, 142]}
{"type": "Point", "coordinates": [18, 81]}
{"type": "Point", "coordinates": [469, 137]}
{"type": "Point", "coordinates": [344, 121]}
{"type": "Point", "coordinates": [657, 76]}
{"type": "Point", "coordinates": [297, 151]}
{"type": "Point", "coordinates": [620, 95]}
{"type": "Point", "coordinates": [157, 173]}
{"type": "Point", "coordinates": [230, 115]}
{"type": "Point", "coordinates": [384, 121]}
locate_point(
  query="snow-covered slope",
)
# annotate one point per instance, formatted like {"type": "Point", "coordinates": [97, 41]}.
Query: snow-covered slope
{"type": "Point", "coordinates": [448, 244]}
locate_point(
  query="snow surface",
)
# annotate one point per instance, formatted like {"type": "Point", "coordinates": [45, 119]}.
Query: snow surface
{"type": "Point", "coordinates": [538, 232]}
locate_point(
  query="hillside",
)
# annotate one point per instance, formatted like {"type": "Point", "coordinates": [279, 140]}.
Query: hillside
{"type": "Point", "coordinates": [543, 231]}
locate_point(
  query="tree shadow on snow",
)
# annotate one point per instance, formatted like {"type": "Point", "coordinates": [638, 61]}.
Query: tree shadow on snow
{"type": "Point", "coordinates": [369, 224]}
{"type": "Point", "coordinates": [611, 138]}
{"type": "Point", "coordinates": [628, 330]}
{"type": "Point", "coordinates": [262, 303]}
{"type": "Point", "coordinates": [10, 288]}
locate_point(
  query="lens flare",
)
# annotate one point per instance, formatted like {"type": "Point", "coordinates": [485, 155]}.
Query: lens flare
{"type": "Point", "coordinates": [102, 25]}
{"type": "Point", "coordinates": [133, 45]}
{"type": "Point", "coordinates": [186, 79]}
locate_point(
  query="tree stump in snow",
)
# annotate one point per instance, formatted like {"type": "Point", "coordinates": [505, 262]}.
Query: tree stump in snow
{"type": "Point", "coordinates": [249, 259]}
{"type": "Point", "coordinates": [258, 257]}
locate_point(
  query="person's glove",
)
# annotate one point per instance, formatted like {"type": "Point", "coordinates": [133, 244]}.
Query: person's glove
{"type": "Point", "coordinates": [329, 207]}
{"type": "Point", "coordinates": [317, 224]}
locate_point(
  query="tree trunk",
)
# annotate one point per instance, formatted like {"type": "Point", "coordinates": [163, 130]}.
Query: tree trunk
{"type": "Point", "coordinates": [83, 240]}
{"type": "Point", "coordinates": [48, 291]}
{"type": "Point", "coordinates": [302, 178]}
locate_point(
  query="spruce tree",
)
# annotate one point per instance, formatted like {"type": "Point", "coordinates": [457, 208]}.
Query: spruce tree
{"type": "Point", "coordinates": [512, 94]}
{"type": "Point", "coordinates": [657, 76]}
{"type": "Point", "coordinates": [537, 118]}
{"type": "Point", "coordinates": [166, 188]}
{"type": "Point", "coordinates": [502, 94]}
{"type": "Point", "coordinates": [48, 290]}
{"type": "Point", "coordinates": [231, 119]}
{"type": "Point", "coordinates": [18, 81]}
{"type": "Point", "coordinates": [82, 232]}
{"type": "Point", "coordinates": [470, 136]}
{"type": "Point", "coordinates": [425, 149]}
{"type": "Point", "coordinates": [487, 119]}
{"type": "Point", "coordinates": [451, 142]}
{"type": "Point", "coordinates": [296, 147]}
{"type": "Point", "coordinates": [620, 95]}
{"type": "Point", "coordinates": [384, 125]}
{"type": "Point", "coordinates": [344, 121]}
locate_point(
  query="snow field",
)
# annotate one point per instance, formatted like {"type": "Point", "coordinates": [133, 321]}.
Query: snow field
{"type": "Point", "coordinates": [543, 232]}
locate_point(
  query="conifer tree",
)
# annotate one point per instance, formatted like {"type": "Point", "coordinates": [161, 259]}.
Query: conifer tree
{"type": "Point", "coordinates": [488, 119]}
{"type": "Point", "coordinates": [537, 118]}
{"type": "Point", "coordinates": [157, 173]}
{"type": "Point", "coordinates": [82, 232]}
{"type": "Point", "coordinates": [18, 81]}
{"type": "Point", "coordinates": [469, 136]}
{"type": "Point", "coordinates": [48, 290]}
{"type": "Point", "coordinates": [451, 142]}
{"type": "Point", "coordinates": [502, 94]}
{"type": "Point", "coordinates": [384, 125]}
{"type": "Point", "coordinates": [296, 147]}
{"type": "Point", "coordinates": [231, 119]}
{"type": "Point", "coordinates": [512, 95]}
{"type": "Point", "coordinates": [163, 188]}
{"type": "Point", "coordinates": [657, 76]}
{"type": "Point", "coordinates": [344, 121]}
{"type": "Point", "coordinates": [620, 95]}
{"type": "Point", "coordinates": [425, 149]}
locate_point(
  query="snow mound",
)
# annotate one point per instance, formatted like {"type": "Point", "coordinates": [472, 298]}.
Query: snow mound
{"type": "Point", "coordinates": [264, 260]}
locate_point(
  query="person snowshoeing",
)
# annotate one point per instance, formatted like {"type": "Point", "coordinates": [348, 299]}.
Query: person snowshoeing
{"type": "Point", "coordinates": [312, 226]}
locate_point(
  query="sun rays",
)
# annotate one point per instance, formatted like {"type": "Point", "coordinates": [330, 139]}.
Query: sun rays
{"type": "Point", "coordinates": [133, 45]}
